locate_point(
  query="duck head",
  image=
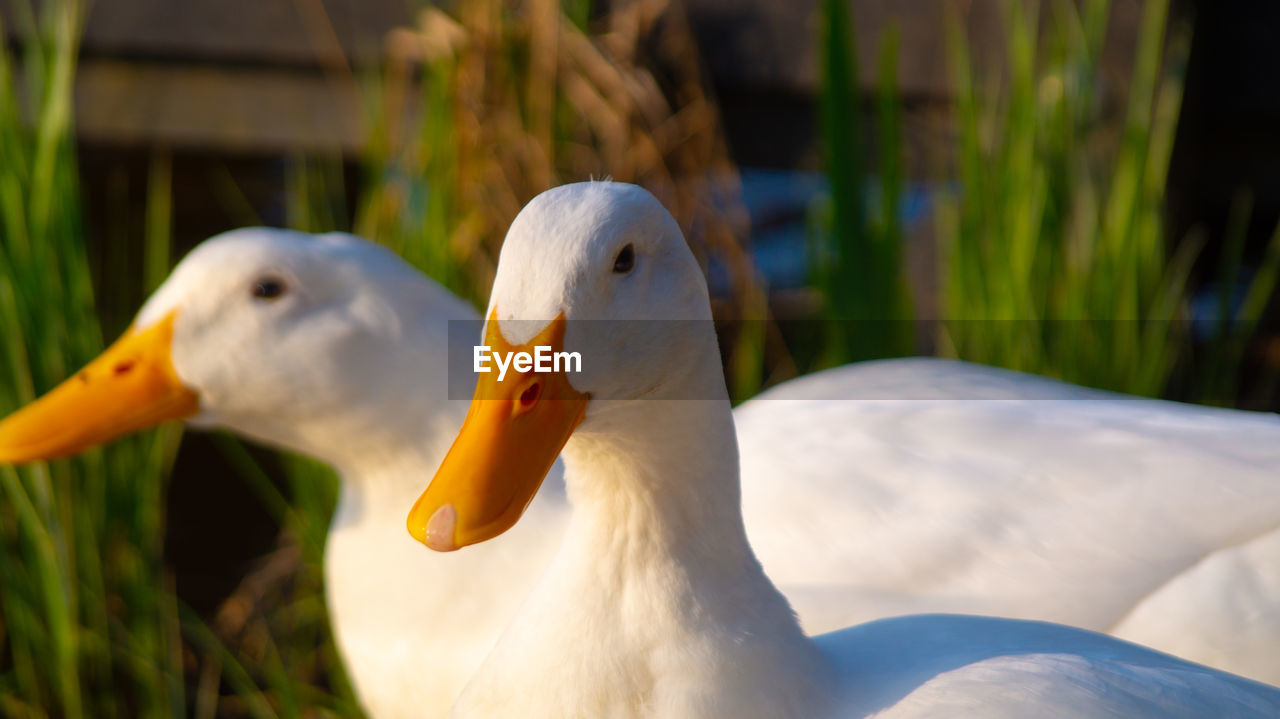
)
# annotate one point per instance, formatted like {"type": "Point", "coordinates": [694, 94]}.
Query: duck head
{"type": "Point", "coordinates": [286, 337]}
{"type": "Point", "coordinates": [599, 270]}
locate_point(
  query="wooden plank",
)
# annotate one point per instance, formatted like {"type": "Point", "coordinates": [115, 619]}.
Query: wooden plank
{"type": "Point", "coordinates": [276, 32]}
{"type": "Point", "coordinates": [771, 46]}
{"type": "Point", "coordinates": [203, 107]}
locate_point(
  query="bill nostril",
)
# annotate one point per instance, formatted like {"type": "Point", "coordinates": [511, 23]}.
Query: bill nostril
{"type": "Point", "coordinates": [530, 395]}
{"type": "Point", "coordinates": [124, 367]}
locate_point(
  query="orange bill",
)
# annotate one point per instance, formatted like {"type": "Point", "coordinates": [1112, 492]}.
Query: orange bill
{"type": "Point", "coordinates": [513, 432]}
{"type": "Point", "coordinates": [130, 386]}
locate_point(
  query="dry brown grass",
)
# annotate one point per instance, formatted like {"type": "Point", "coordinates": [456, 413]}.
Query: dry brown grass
{"type": "Point", "coordinates": [533, 101]}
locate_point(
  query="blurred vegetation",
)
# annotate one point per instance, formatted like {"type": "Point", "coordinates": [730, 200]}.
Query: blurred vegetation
{"type": "Point", "coordinates": [1057, 261]}
{"type": "Point", "coordinates": [272, 637]}
{"type": "Point", "coordinates": [1057, 255]}
{"type": "Point", "coordinates": [1053, 246]}
{"type": "Point", "coordinates": [88, 623]}
{"type": "Point", "coordinates": [858, 257]}
{"type": "Point", "coordinates": [1242, 300]}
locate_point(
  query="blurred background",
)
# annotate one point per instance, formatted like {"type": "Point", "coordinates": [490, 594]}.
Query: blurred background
{"type": "Point", "coordinates": [1082, 189]}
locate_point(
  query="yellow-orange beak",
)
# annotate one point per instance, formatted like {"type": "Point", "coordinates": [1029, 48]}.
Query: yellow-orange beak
{"type": "Point", "coordinates": [508, 442]}
{"type": "Point", "coordinates": [130, 386]}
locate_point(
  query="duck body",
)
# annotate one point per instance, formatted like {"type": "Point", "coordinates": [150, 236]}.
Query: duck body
{"type": "Point", "coordinates": [920, 666]}
{"type": "Point", "coordinates": [655, 605]}
{"type": "Point", "coordinates": [963, 488]}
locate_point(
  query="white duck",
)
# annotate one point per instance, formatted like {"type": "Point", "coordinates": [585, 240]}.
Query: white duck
{"type": "Point", "coordinates": [333, 347]}
{"type": "Point", "coordinates": [655, 605]}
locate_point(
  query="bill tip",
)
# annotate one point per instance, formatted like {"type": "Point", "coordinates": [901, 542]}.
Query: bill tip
{"type": "Point", "coordinates": [439, 534]}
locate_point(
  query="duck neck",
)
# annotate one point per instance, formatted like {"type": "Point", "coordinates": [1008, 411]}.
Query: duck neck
{"type": "Point", "coordinates": [666, 489]}
{"type": "Point", "coordinates": [655, 599]}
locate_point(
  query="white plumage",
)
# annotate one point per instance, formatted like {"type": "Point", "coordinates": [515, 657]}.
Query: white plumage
{"type": "Point", "coordinates": [964, 488]}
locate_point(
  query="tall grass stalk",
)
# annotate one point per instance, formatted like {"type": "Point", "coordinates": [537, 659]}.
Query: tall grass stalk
{"type": "Point", "coordinates": [88, 623]}
{"type": "Point", "coordinates": [867, 309]}
{"type": "Point", "coordinates": [1240, 306]}
{"type": "Point", "coordinates": [1056, 259]}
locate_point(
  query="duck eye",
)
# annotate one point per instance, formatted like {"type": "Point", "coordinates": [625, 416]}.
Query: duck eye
{"type": "Point", "coordinates": [625, 260]}
{"type": "Point", "coordinates": [268, 287]}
